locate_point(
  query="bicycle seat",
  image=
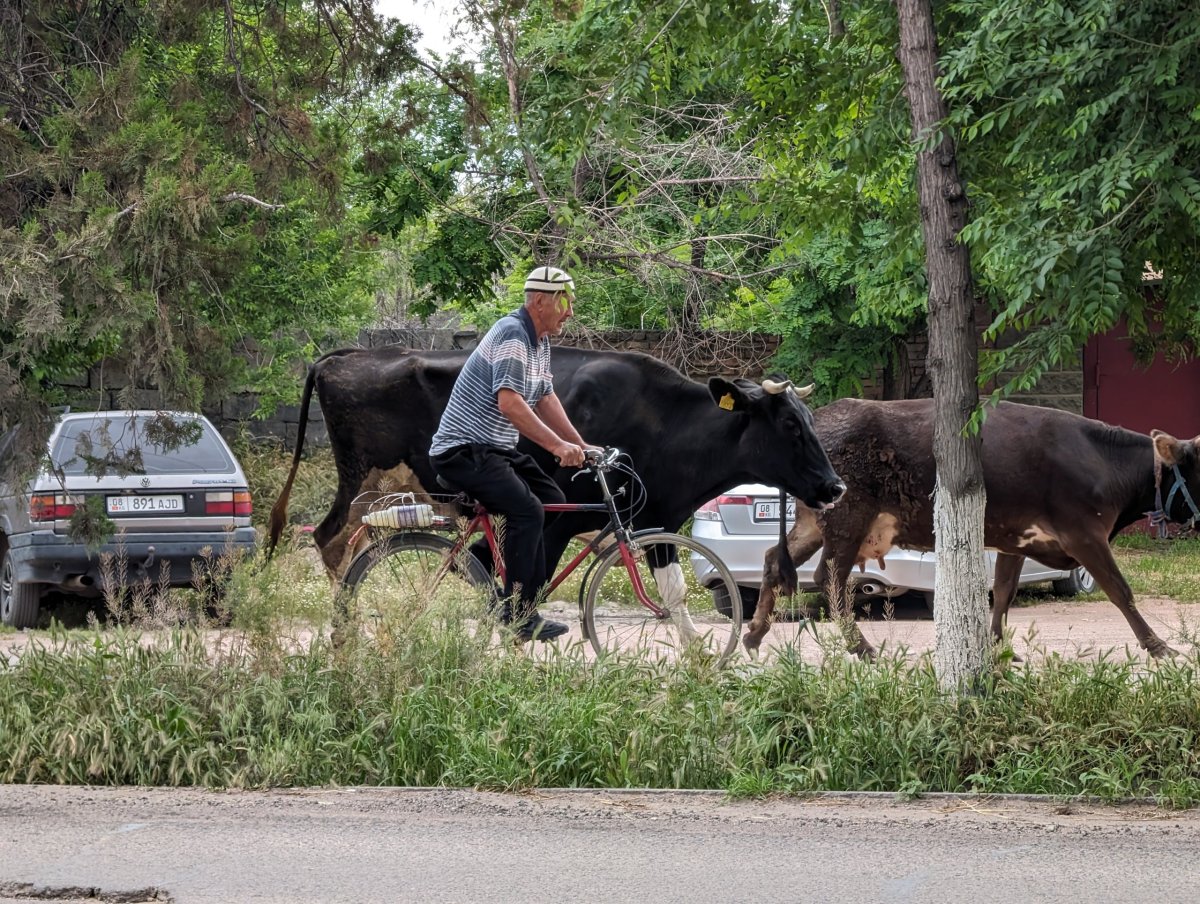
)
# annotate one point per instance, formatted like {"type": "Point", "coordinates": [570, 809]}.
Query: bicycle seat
{"type": "Point", "coordinates": [464, 497]}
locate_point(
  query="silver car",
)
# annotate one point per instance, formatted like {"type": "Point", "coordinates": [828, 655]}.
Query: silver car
{"type": "Point", "coordinates": [742, 524]}
{"type": "Point", "coordinates": [170, 484]}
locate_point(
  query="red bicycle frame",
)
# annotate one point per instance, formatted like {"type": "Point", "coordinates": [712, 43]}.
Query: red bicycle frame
{"type": "Point", "coordinates": [481, 521]}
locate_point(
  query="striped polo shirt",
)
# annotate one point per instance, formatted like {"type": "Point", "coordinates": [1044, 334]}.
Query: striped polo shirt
{"type": "Point", "coordinates": [509, 357]}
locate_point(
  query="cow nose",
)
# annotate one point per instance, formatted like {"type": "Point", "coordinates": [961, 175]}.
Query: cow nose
{"type": "Point", "coordinates": [836, 490]}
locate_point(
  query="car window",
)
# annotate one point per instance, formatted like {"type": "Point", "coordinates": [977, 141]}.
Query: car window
{"type": "Point", "coordinates": [124, 434]}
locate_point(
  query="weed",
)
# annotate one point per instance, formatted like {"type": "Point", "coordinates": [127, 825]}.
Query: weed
{"type": "Point", "coordinates": [423, 691]}
{"type": "Point", "coordinates": [437, 704]}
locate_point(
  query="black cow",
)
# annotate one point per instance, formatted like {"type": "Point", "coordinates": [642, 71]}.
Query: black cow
{"type": "Point", "coordinates": [1059, 487]}
{"type": "Point", "coordinates": [687, 441]}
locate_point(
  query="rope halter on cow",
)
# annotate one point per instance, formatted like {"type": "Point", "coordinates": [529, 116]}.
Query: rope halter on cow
{"type": "Point", "coordinates": [1161, 514]}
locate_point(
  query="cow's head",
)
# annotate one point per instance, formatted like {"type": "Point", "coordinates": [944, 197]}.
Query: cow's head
{"type": "Point", "coordinates": [779, 444]}
{"type": "Point", "coordinates": [1180, 478]}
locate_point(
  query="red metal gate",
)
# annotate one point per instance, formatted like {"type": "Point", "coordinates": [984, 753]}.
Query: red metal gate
{"type": "Point", "coordinates": [1119, 391]}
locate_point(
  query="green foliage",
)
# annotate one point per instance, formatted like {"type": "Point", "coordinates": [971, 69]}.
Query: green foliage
{"type": "Point", "coordinates": [1078, 135]}
{"type": "Point", "coordinates": [444, 710]}
{"type": "Point", "coordinates": [266, 469]}
{"type": "Point", "coordinates": [828, 116]}
{"type": "Point", "coordinates": [426, 700]}
{"type": "Point", "coordinates": [459, 262]}
{"type": "Point", "coordinates": [176, 189]}
{"type": "Point", "coordinates": [90, 524]}
{"type": "Point", "coordinates": [600, 136]}
{"type": "Point", "coordinates": [832, 334]}
{"type": "Point", "coordinates": [1160, 568]}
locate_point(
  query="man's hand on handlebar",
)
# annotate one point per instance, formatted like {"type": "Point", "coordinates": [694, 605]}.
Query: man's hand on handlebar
{"type": "Point", "coordinates": [569, 455]}
{"type": "Point", "coordinates": [602, 456]}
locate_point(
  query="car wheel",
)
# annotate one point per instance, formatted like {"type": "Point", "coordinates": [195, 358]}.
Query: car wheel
{"type": "Point", "coordinates": [19, 603]}
{"type": "Point", "coordinates": [749, 601]}
{"type": "Point", "coordinates": [1079, 581]}
{"type": "Point", "coordinates": [927, 595]}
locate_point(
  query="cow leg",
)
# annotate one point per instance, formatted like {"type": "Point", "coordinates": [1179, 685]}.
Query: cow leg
{"type": "Point", "coordinates": [1004, 589]}
{"type": "Point", "coordinates": [1096, 557]}
{"type": "Point", "coordinates": [331, 529]}
{"type": "Point", "coordinates": [672, 589]}
{"type": "Point", "coordinates": [558, 533]}
{"type": "Point", "coordinates": [332, 536]}
{"type": "Point", "coordinates": [803, 540]}
{"type": "Point", "coordinates": [846, 528]}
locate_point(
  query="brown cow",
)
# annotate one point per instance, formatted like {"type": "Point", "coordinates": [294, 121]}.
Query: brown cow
{"type": "Point", "coordinates": [1059, 487]}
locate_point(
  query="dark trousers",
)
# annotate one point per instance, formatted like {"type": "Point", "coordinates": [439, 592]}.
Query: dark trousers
{"type": "Point", "coordinates": [511, 484]}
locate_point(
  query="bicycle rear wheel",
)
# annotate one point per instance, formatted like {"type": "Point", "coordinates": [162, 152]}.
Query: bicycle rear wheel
{"type": "Point", "coordinates": [408, 575]}
{"type": "Point", "coordinates": [687, 573]}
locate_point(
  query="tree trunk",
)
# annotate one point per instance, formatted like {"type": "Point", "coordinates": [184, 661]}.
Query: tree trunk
{"type": "Point", "coordinates": [692, 318]}
{"type": "Point", "coordinates": [961, 613]}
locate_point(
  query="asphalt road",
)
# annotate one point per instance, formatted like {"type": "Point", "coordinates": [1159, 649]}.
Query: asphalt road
{"type": "Point", "coordinates": [388, 845]}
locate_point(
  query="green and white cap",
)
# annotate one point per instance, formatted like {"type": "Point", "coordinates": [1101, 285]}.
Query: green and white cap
{"type": "Point", "coordinates": [549, 279]}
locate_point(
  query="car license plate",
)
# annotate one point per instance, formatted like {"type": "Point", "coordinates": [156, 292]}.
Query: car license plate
{"type": "Point", "coordinates": [145, 505]}
{"type": "Point", "coordinates": [769, 511]}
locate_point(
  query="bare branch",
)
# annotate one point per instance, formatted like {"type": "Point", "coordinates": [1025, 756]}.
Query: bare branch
{"type": "Point", "coordinates": [250, 199]}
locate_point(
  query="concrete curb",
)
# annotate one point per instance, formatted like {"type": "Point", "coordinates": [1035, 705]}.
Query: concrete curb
{"type": "Point", "coordinates": [882, 796]}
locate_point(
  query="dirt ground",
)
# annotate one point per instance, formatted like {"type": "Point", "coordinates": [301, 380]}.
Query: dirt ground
{"type": "Point", "coordinates": [1084, 629]}
{"type": "Point", "coordinates": [1068, 628]}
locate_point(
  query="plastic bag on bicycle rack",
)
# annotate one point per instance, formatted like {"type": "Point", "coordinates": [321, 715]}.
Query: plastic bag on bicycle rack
{"type": "Point", "coordinates": [400, 516]}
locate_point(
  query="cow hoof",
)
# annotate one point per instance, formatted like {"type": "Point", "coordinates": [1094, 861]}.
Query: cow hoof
{"type": "Point", "coordinates": [858, 645]}
{"type": "Point", "coordinates": [752, 643]}
{"type": "Point", "coordinates": [1161, 650]}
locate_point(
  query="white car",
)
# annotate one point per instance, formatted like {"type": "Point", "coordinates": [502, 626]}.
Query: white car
{"type": "Point", "coordinates": [175, 495]}
{"type": "Point", "coordinates": [743, 523]}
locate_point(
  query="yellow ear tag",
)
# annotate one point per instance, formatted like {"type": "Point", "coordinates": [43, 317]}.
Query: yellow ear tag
{"type": "Point", "coordinates": [726, 401]}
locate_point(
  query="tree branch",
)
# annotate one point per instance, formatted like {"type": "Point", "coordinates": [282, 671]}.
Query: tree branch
{"type": "Point", "coordinates": [250, 199]}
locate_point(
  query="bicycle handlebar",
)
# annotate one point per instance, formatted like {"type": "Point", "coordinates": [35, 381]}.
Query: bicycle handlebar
{"type": "Point", "coordinates": [596, 461]}
{"type": "Point", "coordinates": [600, 458]}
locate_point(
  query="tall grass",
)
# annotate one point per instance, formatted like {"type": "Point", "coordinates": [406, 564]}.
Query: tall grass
{"type": "Point", "coordinates": [426, 696]}
{"type": "Point", "coordinates": [454, 708]}
{"type": "Point", "coordinates": [267, 466]}
{"type": "Point", "coordinates": [1160, 568]}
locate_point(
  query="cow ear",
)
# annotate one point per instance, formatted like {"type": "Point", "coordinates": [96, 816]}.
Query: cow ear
{"type": "Point", "coordinates": [728, 395]}
{"type": "Point", "coordinates": [1167, 448]}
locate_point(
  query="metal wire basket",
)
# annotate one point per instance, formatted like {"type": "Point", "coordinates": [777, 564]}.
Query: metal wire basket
{"type": "Point", "coordinates": [402, 511]}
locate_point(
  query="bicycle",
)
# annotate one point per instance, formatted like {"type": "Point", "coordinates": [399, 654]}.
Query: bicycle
{"type": "Point", "coordinates": [624, 606]}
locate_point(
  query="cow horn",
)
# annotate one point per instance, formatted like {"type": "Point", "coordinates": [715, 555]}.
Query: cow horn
{"type": "Point", "coordinates": [774, 388]}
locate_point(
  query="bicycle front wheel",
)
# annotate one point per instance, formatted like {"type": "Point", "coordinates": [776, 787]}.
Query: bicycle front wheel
{"type": "Point", "coordinates": [682, 578]}
{"type": "Point", "coordinates": [411, 575]}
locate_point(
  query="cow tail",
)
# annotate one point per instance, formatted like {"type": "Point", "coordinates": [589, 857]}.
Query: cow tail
{"type": "Point", "coordinates": [279, 509]}
{"type": "Point", "coordinates": [787, 568]}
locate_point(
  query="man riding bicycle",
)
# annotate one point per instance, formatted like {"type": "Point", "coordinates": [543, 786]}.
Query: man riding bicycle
{"type": "Point", "coordinates": [505, 391]}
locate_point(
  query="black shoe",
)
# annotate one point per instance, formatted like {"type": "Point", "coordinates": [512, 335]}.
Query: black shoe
{"type": "Point", "coordinates": [537, 628]}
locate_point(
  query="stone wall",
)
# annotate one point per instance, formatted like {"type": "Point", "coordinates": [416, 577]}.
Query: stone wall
{"type": "Point", "coordinates": [699, 356]}
{"type": "Point", "coordinates": [1061, 388]}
